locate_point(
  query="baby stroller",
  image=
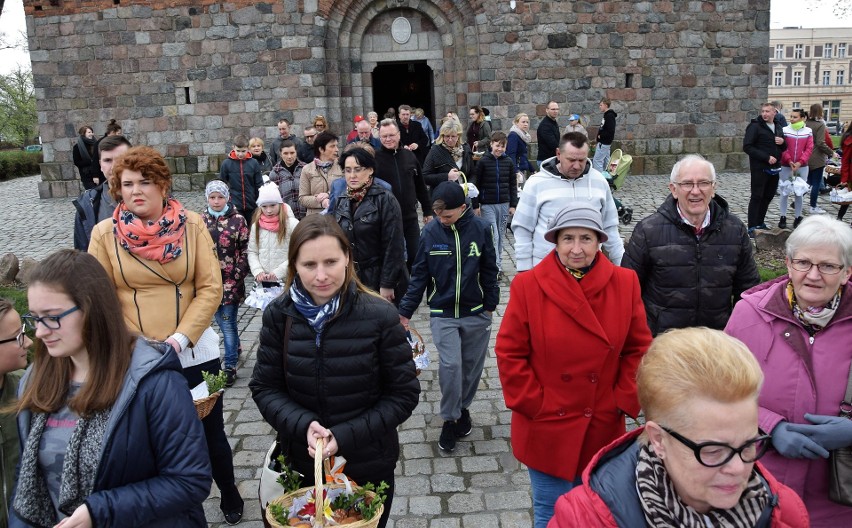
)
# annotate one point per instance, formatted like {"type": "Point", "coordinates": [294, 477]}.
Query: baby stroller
{"type": "Point", "coordinates": [619, 167]}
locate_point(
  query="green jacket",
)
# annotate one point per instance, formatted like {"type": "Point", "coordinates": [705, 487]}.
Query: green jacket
{"type": "Point", "coordinates": [10, 447]}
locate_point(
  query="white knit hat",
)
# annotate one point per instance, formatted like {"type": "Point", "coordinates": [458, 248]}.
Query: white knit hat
{"type": "Point", "coordinates": [269, 194]}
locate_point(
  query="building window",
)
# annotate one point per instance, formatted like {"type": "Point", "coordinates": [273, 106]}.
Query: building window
{"type": "Point", "coordinates": [797, 104]}
{"type": "Point", "coordinates": [831, 110]}
{"type": "Point", "coordinates": [779, 77]}
{"type": "Point", "coordinates": [797, 51]}
{"type": "Point", "coordinates": [827, 50]}
{"type": "Point", "coordinates": [840, 76]}
{"type": "Point", "coordinates": [841, 50]}
{"type": "Point", "coordinates": [826, 77]}
{"type": "Point", "coordinates": [797, 78]}
{"type": "Point", "coordinates": [779, 51]}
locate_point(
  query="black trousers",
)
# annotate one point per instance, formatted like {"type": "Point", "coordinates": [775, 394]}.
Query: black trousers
{"type": "Point", "coordinates": [221, 457]}
{"type": "Point", "coordinates": [763, 187]}
{"type": "Point", "coordinates": [411, 232]}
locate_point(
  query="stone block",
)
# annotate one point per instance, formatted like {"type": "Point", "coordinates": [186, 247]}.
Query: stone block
{"type": "Point", "coordinates": [9, 267]}
{"type": "Point", "coordinates": [181, 183]}
{"type": "Point", "coordinates": [44, 190]}
{"type": "Point", "coordinates": [772, 239]}
{"type": "Point", "coordinates": [26, 267]}
{"type": "Point", "coordinates": [198, 181]}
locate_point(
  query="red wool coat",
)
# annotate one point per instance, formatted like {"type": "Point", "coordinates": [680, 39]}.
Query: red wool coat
{"type": "Point", "coordinates": [567, 352]}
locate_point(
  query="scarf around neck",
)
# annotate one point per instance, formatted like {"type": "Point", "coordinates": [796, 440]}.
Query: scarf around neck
{"type": "Point", "coordinates": [269, 223]}
{"type": "Point", "coordinates": [86, 148]}
{"type": "Point", "coordinates": [814, 319]}
{"type": "Point", "coordinates": [356, 195]}
{"type": "Point", "coordinates": [663, 508]}
{"type": "Point", "coordinates": [524, 135]}
{"type": "Point", "coordinates": [79, 469]}
{"type": "Point", "coordinates": [317, 316]}
{"type": "Point", "coordinates": [797, 126]}
{"type": "Point", "coordinates": [160, 240]}
{"type": "Point", "coordinates": [456, 153]}
{"type": "Point", "coordinates": [217, 214]}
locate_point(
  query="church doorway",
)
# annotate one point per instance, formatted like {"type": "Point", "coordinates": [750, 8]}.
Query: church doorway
{"type": "Point", "coordinates": [408, 82]}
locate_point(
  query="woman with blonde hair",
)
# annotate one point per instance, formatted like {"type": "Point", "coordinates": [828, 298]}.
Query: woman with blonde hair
{"type": "Point", "coordinates": [373, 118]}
{"type": "Point", "coordinates": [333, 362]}
{"type": "Point", "coordinates": [449, 158]}
{"type": "Point", "coordinates": [320, 123]}
{"type": "Point", "coordinates": [257, 152]}
{"type": "Point", "coordinates": [694, 463]}
{"type": "Point", "coordinates": [517, 145]}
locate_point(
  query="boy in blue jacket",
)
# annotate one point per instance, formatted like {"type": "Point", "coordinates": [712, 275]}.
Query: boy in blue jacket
{"type": "Point", "coordinates": [456, 261]}
{"type": "Point", "coordinates": [243, 175]}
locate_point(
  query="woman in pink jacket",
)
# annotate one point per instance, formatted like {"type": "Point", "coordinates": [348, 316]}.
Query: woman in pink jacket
{"type": "Point", "coordinates": [794, 164]}
{"type": "Point", "coordinates": [799, 327]}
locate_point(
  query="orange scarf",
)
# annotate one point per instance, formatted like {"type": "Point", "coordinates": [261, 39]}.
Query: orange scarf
{"type": "Point", "coordinates": [161, 240]}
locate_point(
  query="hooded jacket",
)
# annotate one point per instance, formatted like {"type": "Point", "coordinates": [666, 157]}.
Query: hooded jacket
{"type": "Point", "coordinates": [608, 497]}
{"type": "Point", "coordinates": [356, 378]}
{"type": "Point", "coordinates": [546, 193]}
{"type": "Point", "coordinates": [458, 266]}
{"type": "Point", "coordinates": [270, 256]}
{"type": "Point", "coordinates": [689, 281]}
{"type": "Point", "coordinates": [93, 206]}
{"type": "Point", "coordinates": [577, 387]}
{"type": "Point", "coordinates": [800, 145]}
{"type": "Point", "coordinates": [606, 133]}
{"type": "Point", "coordinates": [802, 374]}
{"type": "Point", "coordinates": [244, 180]}
{"type": "Point", "coordinates": [154, 469]}
{"type": "Point", "coordinates": [759, 144]}
{"type": "Point", "coordinates": [497, 180]}
{"type": "Point", "coordinates": [230, 235]}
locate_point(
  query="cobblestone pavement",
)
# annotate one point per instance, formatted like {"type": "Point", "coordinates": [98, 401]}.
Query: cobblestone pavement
{"type": "Point", "coordinates": [479, 485]}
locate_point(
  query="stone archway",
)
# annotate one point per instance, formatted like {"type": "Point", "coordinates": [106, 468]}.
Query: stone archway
{"type": "Point", "coordinates": [443, 35]}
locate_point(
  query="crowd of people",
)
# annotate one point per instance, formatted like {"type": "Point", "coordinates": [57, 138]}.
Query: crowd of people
{"type": "Point", "coordinates": [344, 236]}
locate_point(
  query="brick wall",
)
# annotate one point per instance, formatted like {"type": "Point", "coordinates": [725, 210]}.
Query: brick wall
{"type": "Point", "coordinates": [699, 70]}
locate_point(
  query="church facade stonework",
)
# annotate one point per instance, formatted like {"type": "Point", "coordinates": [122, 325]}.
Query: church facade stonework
{"type": "Point", "coordinates": [186, 76]}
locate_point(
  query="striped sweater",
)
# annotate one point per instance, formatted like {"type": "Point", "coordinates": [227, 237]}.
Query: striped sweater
{"type": "Point", "coordinates": [800, 144]}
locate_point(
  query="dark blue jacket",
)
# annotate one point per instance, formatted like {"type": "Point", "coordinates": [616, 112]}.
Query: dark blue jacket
{"type": "Point", "coordinates": [91, 207]}
{"type": "Point", "coordinates": [497, 181]}
{"type": "Point", "coordinates": [154, 469]}
{"type": "Point", "coordinates": [244, 180]}
{"type": "Point", "coordinates": [517, 150]}
{"type": "Point", "coordinates": [459, 265]}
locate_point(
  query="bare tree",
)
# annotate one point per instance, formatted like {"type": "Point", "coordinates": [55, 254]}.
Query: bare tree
{"type": "Point", "coordinates": [18, 119]}
{"type": "Point", "coordinates": [841, 8]}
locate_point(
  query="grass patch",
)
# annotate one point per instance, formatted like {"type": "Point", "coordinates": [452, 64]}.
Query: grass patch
{"type": "Point", "coordinates": [17, 293]}
{"type": "Point", "coordinates": [767, 274]}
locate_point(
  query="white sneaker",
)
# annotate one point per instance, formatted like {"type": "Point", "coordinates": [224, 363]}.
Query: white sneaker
{"type": "Point", "coordinates": [817, 210]}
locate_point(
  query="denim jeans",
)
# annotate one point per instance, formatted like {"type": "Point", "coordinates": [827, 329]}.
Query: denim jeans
{"type": "Point", "coordinates": [546, 489]}
{"type": "Point", "coordinates": [815, 180]}
{"type": "Point", "coordinates": [226, 318]}
{"type": "Point", "coordinates": [496, 215]}
{"type": "Point", "coordinates": [601, 158]}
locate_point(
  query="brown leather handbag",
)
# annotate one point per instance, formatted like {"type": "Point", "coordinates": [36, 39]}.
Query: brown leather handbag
{"type": "Point", "coordinates": [840, 461]}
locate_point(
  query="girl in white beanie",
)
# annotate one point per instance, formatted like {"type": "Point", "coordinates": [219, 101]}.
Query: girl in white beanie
{"type": "Point", "coordinates": [270, 237]}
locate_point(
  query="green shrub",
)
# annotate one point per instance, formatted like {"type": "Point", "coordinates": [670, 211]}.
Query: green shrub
{"type": "Point", "coordinates": [17, 294]}
{"type": "Point", "coordinates": [17, 163]}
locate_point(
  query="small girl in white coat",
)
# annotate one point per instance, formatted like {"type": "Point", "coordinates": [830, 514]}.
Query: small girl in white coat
{"type": "Point", "coordinates": [270, 237]}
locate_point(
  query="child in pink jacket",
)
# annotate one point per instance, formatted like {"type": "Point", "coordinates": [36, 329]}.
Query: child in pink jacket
{"type": "Point", "coordinates": [794, 165]}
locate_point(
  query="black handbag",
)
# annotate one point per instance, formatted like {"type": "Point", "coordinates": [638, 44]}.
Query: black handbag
{"type": "Point", "coordinates": [840, 461]}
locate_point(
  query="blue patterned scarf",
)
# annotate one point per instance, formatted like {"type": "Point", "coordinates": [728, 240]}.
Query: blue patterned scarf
{"type": "Point", "coordinates": [317, 316]}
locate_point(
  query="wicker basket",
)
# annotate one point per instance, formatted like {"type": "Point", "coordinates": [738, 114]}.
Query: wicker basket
{"type": "Point", "coordinates": [833, 195]}
{"type": "Point", "coordinates": [205, 405]}
{"type": "Point", "coordinates": [286, 500]}
{"type": "Point", "coordinates": [420, 348]}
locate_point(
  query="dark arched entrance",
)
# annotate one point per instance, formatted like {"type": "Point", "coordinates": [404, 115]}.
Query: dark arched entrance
{"type": "Point", "coordinates": [409, 82]}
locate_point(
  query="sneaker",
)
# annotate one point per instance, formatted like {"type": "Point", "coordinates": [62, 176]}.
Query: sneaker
{"type": "Point", "coordinates": [763, 227]}
{"type": "Point", "coordinates": [797, 221]}
{"type": "Point", "coordinates": [230, 376]}
{"type": "Point", "coordinates": [233, 512]}
{"type": "Point", "coordinates": [782, 222]}
{"type": "Point", "coordinates": [817, 210]}
{"type": "Point", "coordinates": [447, 441]}
{"type": "Point", "coordinates": [463, 424]}
{"type": "Point", "coordinates": [751, 232]}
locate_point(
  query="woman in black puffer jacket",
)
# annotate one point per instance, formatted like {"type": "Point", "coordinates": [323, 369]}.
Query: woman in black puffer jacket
{"type": "Point", "coordinates": [342, 371]}
{"type": "Point", "coordinates": [370, 216]}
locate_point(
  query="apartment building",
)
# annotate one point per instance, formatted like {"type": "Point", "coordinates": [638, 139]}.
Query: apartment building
{"type": "Point", "coordinates": [813, 65]}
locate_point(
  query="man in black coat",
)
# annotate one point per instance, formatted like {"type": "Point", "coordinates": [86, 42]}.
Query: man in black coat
{"type": "Point", "coordinates": [411, 134]}
{"type": "Point", "coordinates": [764, 143]}
{"type": "Point", "coordinates": [400, 168]}
{"type": "Point", "coordinates": [693, 257]}
{"type": "Point", "coordinates": [547, 134]}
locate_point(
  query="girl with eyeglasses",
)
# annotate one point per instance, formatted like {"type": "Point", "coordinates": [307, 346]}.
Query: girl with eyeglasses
{"type": "Point", "coordinates": [695, 462]}
{"type": "Point", "coordinates": [13, 358]}
{"type": "Point", "coordinates": [108, 431]}
{"type": "Point", "coordinates": [799, 326]}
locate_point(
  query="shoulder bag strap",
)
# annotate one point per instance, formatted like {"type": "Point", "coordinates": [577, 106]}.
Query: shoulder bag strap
{"type": "Point", "coordinates": [846, 404]}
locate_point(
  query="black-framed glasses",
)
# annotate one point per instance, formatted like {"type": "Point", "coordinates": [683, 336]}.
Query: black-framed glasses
{"type": "Point", "coordinates": [19, 337]}
{"type": "Point", "coordinates": [715, 454]}
{"type": "Point", "coordinates": [825, 268]}
{"type": "Point", "coordinates": [702, 185]}
{"type": "Point", "coordinates": [49, 321]}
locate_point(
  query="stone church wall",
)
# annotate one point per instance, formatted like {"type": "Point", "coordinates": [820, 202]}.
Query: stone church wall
{"type": "Point", "coordinates": [187, 76]}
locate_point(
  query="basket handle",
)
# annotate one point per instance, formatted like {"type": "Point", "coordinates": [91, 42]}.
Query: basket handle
{"type": "Point", "coordinates": [318, 485]}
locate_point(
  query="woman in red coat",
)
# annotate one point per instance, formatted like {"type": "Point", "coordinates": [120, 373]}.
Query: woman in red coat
{"type": "Point", "coordinates": [568, 348]}
{"type": "Point", "coordinates": [694, 464]}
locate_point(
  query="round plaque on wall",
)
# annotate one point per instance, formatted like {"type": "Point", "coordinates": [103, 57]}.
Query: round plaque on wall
{"type": "Point", "coordinates": [401, 30]}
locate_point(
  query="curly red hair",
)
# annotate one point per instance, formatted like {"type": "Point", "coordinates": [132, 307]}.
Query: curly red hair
{"type": "Point", "coordinates": [146, 160]}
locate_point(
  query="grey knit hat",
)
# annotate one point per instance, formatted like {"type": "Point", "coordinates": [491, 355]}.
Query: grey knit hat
{"type": "Point", "coordinates": [217, 186]}
{"type": "Point", "coordinates": [576, 214]}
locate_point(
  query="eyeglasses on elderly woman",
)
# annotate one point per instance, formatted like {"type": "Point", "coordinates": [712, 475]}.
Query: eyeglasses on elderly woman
{"type": "Point", "coordinates": [715, 454]}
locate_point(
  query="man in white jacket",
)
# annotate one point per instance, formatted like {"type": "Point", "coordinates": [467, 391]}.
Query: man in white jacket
{"type": "Point", "coordinates": [567, 177]}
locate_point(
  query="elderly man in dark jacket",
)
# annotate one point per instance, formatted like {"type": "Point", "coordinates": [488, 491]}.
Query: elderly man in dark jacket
{"type": "Point", "coordinates": [763, 142]}
{"type": "Point", "coordinates": [693, 257]}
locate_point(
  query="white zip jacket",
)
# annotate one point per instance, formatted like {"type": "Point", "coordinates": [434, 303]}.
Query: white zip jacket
{"type": "Point", "coordinates": [270, 256]}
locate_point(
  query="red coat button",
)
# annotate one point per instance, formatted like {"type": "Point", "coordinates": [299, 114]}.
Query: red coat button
{"type": "Point", "coordinates": [593, 378]}
{"type": "Point", "coordinates": [587, 412]}
{"type": "Point", "coordinates": [560, 412]}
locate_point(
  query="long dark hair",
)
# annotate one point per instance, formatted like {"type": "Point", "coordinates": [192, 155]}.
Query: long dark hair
{"type": "Point", "coordinates": [106, 337]}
